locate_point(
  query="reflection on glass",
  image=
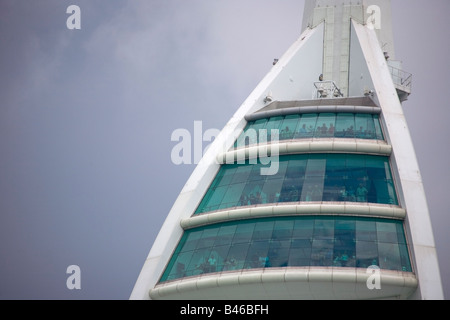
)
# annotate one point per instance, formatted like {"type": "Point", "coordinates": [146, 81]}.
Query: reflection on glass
{"type": "Point", "coordinates": [313, 125]}
{"type": "Point", "coordinates": [353, 242]}
{"type": "Point", "coordinates": [310, 177]}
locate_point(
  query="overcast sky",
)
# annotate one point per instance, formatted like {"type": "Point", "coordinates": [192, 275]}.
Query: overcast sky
{"type": "Point", "coordinates": [86, 118]}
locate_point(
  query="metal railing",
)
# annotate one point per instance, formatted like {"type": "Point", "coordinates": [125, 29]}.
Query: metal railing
{"type": "Point", "coordinates": [402, 79]}
{"type": "Point", "coordinates": [327, 89]}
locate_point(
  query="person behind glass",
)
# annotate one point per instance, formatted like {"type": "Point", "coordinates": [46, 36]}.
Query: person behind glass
{"type": "Point", "coordinates": [313, 193]}
{"type": "Point", "coordinates": [322, 131]}
{"type": "Point", "coordinates": [360, 133]}
{"type": "Point", "coordinates": [350, 132]}
{"type": "Point", "coordinates": [361, 193]}
{"type": "Point", "coordinates": [180, 270]}
{"type": "Point", "coordinates": [252, 198]}
{"type": "Point", "coordinates": [212, 263]}
{"type": "Point", "coordinates": [302, 131]}
{"type": "Point", "coordinates": [343, 194]}
{"type": "Point", "coordinates": [310, 131]}
{"type": "Point", "coordinates": [264, 261]}
{"type": "Point", "coordinates": [285, 133]}
{"type": "Point", "coordinates": [341, 260]}
{"type": "Point", "coordinates": [331, 130]}
{"type": "Point", "coordinates": [258, 198]}
{"type": "Point", "coordinates": [230, 264]}
{"type": "Point", "coordinates": [243, 201]}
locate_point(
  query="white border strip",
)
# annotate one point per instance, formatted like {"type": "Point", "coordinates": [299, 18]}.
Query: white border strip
{"type": "Point", "coordinates": [335, 145]}
{"type": "Point", "coordinates": [295, 209]}
{"type": "Point", "coordinates": [295, 281]}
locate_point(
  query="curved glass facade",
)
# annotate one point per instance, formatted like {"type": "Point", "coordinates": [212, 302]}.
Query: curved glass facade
{"type": "Point", "coordinates": [330, 241]}
{"type": "Point", "coordinates": [314, 125]}
{"type": "Point", "coordinates": [304, 177]}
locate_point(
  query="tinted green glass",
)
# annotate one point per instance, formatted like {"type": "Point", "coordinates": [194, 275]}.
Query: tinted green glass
{"type": "Point", "coordinates": [345, 125]}
{"type": "Point", "coordinates": [289, 126]}
{"type": "Point", "coordinates": [325, 127]}
{"type": "Point", "coordinates": [311, 177]}
{"type": "Point", "coordinates": [309, 125]}
{"type": "Point", "coordinates": [250, 133]}
{"type": "Point", "coordinates": [290, 242]}
{"type": "Point", "coordinates": [377, 126]}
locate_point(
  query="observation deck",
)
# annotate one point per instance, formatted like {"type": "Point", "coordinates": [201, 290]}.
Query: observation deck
{"type": "Point", "coordinates": [305, 232]}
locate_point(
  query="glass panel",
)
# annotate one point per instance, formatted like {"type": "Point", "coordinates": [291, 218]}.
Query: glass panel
{"type": "Point", "coordinates": [344, 247]}
{"type": "Point", "coordinates": [325, 125]}
{"type": "Point", "coordinates": [300, 253]}
{"type": "Point", "coordinates": [273, 123]}
{"type": "Point", "coordinates": [387, 232]}
{"type": "Point", "coordinates": [208, 237]}
{"type": "Point", "coordinates": [366, 254]}
{"type": "Point", "coordinates": [366, 230]}
{"type": "Point", "coordinates": [389, 256]}
{"type": "Point", "coordinates": [178, 269]}
{"type": "Point", "coordinates": [233, 196]}
{"type": "Point", "coordinates": [314, 179]}
{"type": "Point", "coordinates": [241, 174]}
{"type": "Point", "coordinates": [278, 255]}
{"type": "Point", "coordinates": [236, 256]}
{"type": "Point", "coordinates": [244, 233]}
{"type": "Point", "coordinates": [190, 243]}
{"type": "Point", "coordinates": [361, 192]}
{"type": "Point", "coordinates": [225, 176]}
{"type": "Point", "coordinates": [364, 126]}
{"type": "Point", "coordinates": [259, 124]}
{"type": "Point", "coordinates": [293, 181]}
{"type": "Point", "coordinates": [307, 126]}
{"type": "Point", "coordinates": [225, 235]}
{"type": "Point", "coordinates": [252, 192]}
{"type": "Point", "coordinates": [212, 199]}
{"type": "Point", "coordinates": [257, 255]}
{"type": "Point", "coordinates": [247, 136]}
{"type": "Point", "coordinates": [310, 177]}
{"type": "Point", "coordinates": [377, 125]}
{"type": "Point", "coordinates": [322, 125]}
{"type": "Point", "coordinates": [289, 126]}
{"type": "Point", "coordinates": [263, 230]}
{"type": "Point", "coordinates": [404, 257]}
{"type": "Point", "coordinates": [198, 261]}
{"type": "Point", "coordinates": [218, 257]}
{"type": "Point", "coordinates": [250, 133]}
{"type": "Point", "coordinates": [290, 241]}
{"type": "Point", "coordinates": [272, 188]}
{"type": "Point", "coordinates": [400, 234]}
{"type": "Point", "coordinates": [335, 177]}
{"type": "Point", "coordinates": [324, 228]}
{"type": "Point", "coordinates": [321, 252]}
{"type": "Point", "coordinates": [345, 124]}
{"type": "Point", "coordinates": [303, 229]}
{"type": "Point", "coordinates": [282, 230]}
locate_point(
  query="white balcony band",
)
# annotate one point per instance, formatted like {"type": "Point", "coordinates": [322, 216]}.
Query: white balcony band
{"type": "Point", "coordinates": [330, 145]}
{"type": "Point", "coordinates": [298, 208]}
{"type": "Point", "coordinates": [284, 108]}
{"type": "Point", "coordinates": [289, 283]}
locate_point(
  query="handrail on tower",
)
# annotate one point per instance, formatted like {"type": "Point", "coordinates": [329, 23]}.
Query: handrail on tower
{"type": "Point", "coordinates": [327, 89]}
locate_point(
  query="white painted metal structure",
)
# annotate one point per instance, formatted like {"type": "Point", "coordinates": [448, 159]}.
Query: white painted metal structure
{"type": "Point", "coordinates": [347, 42]}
